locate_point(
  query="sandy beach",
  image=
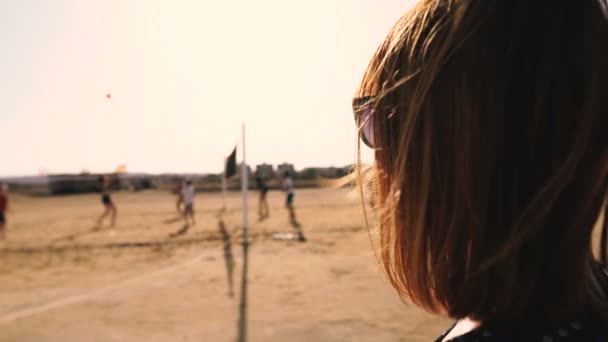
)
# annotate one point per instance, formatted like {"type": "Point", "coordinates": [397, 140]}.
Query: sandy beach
{"type": "Point", "coordinates": [147, 279]}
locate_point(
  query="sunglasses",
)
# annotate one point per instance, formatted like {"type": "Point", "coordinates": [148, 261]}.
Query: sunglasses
{"type": "Point", "coordinates": [363, 108]}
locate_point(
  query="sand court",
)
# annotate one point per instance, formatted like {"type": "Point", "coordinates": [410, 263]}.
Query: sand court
{"type": "Point", "coordinates": [62, 279]}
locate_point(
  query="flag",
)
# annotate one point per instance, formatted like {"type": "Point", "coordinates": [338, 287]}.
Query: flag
{"type": "Point", "coordinates": [230, 168]}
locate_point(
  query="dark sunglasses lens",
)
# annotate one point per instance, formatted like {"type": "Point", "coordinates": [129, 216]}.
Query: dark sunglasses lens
{"type": "Point", "coordinates": [366, 125]}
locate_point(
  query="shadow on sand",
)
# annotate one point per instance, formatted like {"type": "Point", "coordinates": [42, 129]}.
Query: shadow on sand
{"type": "Point", "coordinates": [183, 230]}
{"type": "Point", "coordinates": [228, 257]}
{"type": "Point", "coordinates": [242, 322]}
{"type": "Point", "coordinates": [298, 227]}
{"type": "Point", "coordinates": [73, 236]}
{"type": "Point", "coordinates": [173, 220]}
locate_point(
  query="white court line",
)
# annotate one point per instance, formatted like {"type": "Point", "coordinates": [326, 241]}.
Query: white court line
{"type": "Point", "coordinates": [23, 313]}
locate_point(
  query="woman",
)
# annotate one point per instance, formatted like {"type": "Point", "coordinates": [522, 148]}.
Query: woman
{"type": "Point", "coordinates": [489, 121]}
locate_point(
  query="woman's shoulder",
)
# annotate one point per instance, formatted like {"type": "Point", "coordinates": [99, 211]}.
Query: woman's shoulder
{"type": "Point", "coordinates": [592, 328]}
{"type": "Point", "coordinates": [592, 331]}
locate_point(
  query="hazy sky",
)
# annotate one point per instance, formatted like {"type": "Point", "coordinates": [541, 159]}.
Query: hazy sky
{"type": "Point", "coordinates": [183, 76]}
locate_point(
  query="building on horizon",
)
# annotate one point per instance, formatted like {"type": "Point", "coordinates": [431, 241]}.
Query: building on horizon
{"type": "Point", "coordinates": [329, 172]}
{"type": "Point", "coordinates": [281, 168]}
{"type": "Point", "coordinates": [265, 171]}
{"type": "Point", "coordinates": [309, 173]}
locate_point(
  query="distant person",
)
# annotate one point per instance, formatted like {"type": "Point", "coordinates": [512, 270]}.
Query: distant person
{"type": "Point", "coordinates": [3, 209]}
{"type": "Point", "coordinates": [263, 211]}
{"type": "Point", "coordinates": [488, 122]}
{"type": "Point", "coordinates": [188, 198]}
{"type": "Point", "coordinates": [177, 191]}
{"type": "Point", "coordinates": [288, 188]}
{"type": "Point", "coordinates": [106, 199]}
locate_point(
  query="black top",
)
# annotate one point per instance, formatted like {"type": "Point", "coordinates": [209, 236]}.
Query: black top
{"type": "Point", "coordinates": [572, 331]}
{"type": "Point", "coordinates": [584, 330]}
{"type": "Point", "coordinates": [260, 183]}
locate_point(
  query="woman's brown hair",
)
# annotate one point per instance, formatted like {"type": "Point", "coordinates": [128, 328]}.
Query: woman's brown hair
{"type": "Point", "coordinates": [491, 146]}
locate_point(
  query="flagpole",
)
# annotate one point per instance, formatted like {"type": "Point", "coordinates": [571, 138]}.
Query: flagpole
{"type": "Point", "coordinates": [244, 190]}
